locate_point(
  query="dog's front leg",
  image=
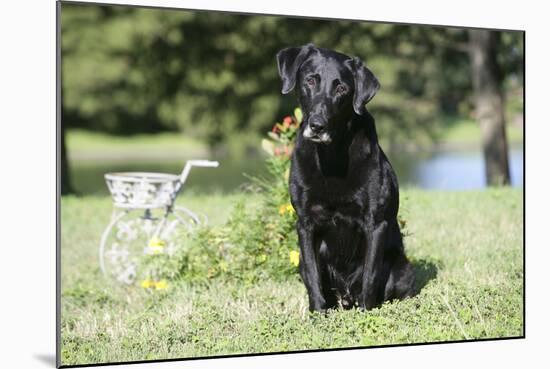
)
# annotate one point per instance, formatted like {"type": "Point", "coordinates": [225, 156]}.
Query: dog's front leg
{"type": "Point", "coordinates": [309, 267]}
{"type": "Point", "coordinates": [376, 236]}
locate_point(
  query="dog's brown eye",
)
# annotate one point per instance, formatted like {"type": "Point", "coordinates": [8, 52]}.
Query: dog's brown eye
{"type": "Point", "coordinates": [340, 89]}
{"type": "Point", "coordinates": [310, 81]}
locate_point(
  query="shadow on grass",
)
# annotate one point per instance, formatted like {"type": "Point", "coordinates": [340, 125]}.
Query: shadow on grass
{"type": "Point", "coordinates": [425, 271]}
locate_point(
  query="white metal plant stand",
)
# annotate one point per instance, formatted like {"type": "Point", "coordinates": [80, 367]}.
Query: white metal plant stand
{"type": "Point", "coordinates": [145, 219]}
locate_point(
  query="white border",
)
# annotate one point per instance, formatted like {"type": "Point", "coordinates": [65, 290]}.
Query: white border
{"type": "Point", "coordinates": [27, 82]}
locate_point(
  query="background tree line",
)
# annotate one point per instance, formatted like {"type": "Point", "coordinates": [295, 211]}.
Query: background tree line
{"type": "Point", "coordinates": [213, 76]}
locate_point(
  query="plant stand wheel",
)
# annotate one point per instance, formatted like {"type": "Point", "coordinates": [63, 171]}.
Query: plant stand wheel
{"type": "Point", "coordinates": [145, 221]}
{"type": "Point", "coordinates": [133, 234]}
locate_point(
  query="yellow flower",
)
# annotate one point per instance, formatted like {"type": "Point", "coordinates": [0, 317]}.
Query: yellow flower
{"type": "Point", "coordinates": [155, 246]}
{"type": "Point", "coordinates": [286, 208]}
{"type": "Point", "coordinates": [294, 257]}
{"type": "Point", "coordinates": [290, 209]}
{"type": "Point", "coordinates": [161, 285]}
{"type": "Point", "coordinates": [147, 283]}
{"type": "Point", "coordinates": [156, 242]}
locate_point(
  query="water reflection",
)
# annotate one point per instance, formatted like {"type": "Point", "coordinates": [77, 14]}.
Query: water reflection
{"type": "Point", "coordinates": [453, 170]}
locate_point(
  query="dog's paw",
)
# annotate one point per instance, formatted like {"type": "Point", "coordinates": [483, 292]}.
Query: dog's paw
{"type": "Point", "coordinates": [367, 303]}
{"type": "Point", "coordinates": [320, 310]}
{"type": "Point", "coordinates": [318, 304]}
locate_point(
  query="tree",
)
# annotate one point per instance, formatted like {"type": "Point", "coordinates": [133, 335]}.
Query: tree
{"type": "Point", "coordinates": [487, 83]}
{"type": "Point", "coordinates": [203, 73]}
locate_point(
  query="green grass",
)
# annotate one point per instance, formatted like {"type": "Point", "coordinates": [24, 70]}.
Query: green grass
{"type": "Point", "coordinates": [461, 131]}
{"type": "Point", "coordinates": [466, 247]}
{"type": "Point", "coordinates": [84, 144]}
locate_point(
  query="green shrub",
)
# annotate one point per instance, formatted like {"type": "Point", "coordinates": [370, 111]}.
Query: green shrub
{"type": "Point", "coordinates": [257, 242]}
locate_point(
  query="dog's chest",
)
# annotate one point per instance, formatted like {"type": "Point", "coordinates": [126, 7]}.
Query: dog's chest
{"type": "Point", "coordinates": [341, 211]}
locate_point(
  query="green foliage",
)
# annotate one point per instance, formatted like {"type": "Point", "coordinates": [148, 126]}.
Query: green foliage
{"type": "Point", "coordinates": [214, 76]}
{"type": "Point", "coordinates": [254, 245]}
{"type": "Point", "coordinates": [259, 241]}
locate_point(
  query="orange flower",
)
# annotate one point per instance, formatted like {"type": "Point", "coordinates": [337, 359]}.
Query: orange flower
{"type": "Point", "coordinates": [287, 121]}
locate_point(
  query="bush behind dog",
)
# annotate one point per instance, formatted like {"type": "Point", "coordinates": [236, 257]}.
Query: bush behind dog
{"type": "Point", "coordinates": [257, 242]}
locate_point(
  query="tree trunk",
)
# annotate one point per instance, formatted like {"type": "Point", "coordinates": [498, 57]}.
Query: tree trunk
{"type": "Point", "coordinates": [61, 120]}
{"type": "Point", "coordinates": [66, 187]}
{"type": "Point", "coordinates": [489, 104]}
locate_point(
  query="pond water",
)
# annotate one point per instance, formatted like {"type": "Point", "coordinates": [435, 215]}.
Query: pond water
{"type": "Point", "coordinates": [452, 170]}
{"type": "Point", "coordinates": [441, 170]}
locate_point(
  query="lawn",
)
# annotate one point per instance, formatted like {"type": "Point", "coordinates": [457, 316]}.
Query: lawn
{"type": "Point", "coordinates": [461, 131]}
{"type": "Point", "coordinates": [467, 248]}
{"type": "Point", "coordinates": [89, 145]}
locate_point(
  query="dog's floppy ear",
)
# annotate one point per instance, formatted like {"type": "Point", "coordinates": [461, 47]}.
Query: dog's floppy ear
{"type": "Point", "coordinates": [366, 84]}
{"type": "Point", "coordinates": [288, 62]}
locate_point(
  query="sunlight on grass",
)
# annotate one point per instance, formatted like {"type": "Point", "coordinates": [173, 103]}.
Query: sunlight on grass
{"type": "Point", "coordinates": [79, 140]}
{"type": "Point", "coordinates": [463, 131]}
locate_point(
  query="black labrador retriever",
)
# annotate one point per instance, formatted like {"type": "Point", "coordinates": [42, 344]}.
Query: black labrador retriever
{"type": "Point", "coordinates": [342, 185]}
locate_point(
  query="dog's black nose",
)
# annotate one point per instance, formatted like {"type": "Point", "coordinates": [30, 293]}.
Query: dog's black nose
{"type": "Point", "coordinates": [316, 126]}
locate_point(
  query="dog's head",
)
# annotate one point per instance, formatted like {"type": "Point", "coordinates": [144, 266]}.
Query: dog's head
{"type": "Point", "coordinates": [331, 88]}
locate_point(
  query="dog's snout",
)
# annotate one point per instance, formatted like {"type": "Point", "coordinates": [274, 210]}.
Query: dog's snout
{"type": "Point", "coordinates": [316, 125]}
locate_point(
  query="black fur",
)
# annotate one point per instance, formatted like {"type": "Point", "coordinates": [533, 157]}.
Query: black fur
{"type": "Point", "coordinates": [342, 185]}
